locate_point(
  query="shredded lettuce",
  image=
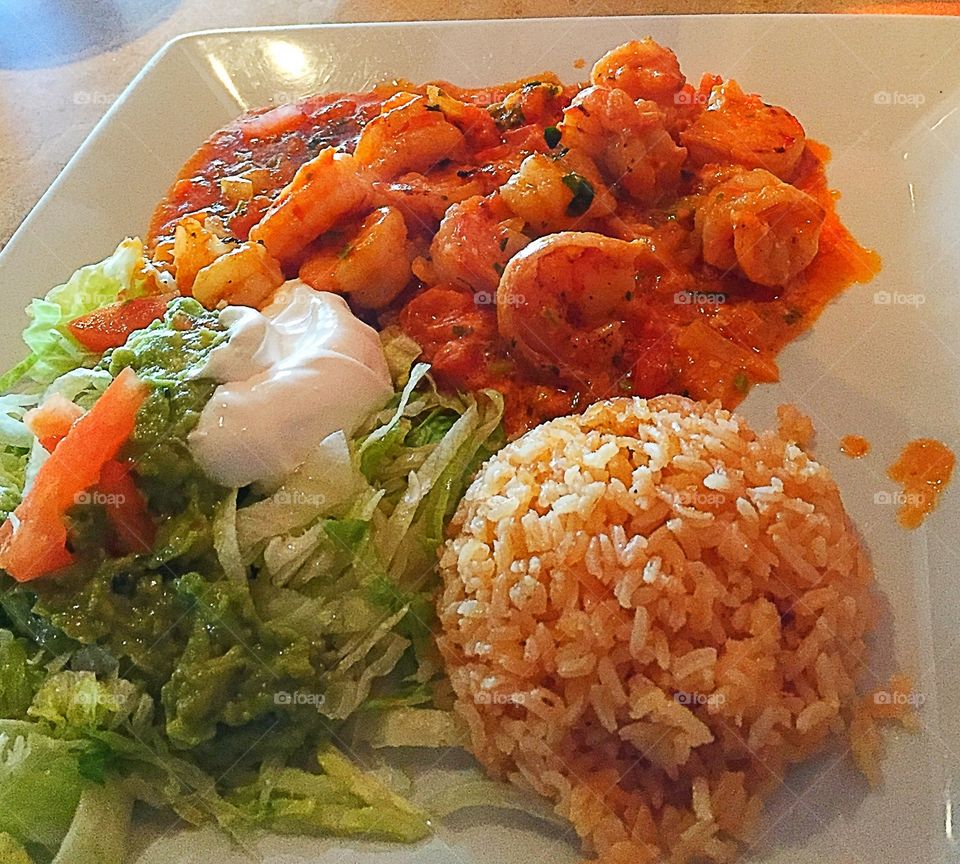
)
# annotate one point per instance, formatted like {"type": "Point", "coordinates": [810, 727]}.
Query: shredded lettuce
{"type": "Point", "coordinates": [225, 539]}
{"type": "Point", "coordinates": [15, 443]}
{"type": "Point", "coordinates": [324, 485]}
{"type": "Point", "coordinates": [53, 351]}
{"type": "Point", "coordinates": [411, 727]}
{"type": "Point", "coordinates": [101, 823]}
{"type": "Point", "coordinates": [55, 354]}
{"type": "Point", "coordinates": [345, 550]}
{"type": "Point", "coordinates": [342, 800]}
{"type": "Point", "coordinates": [470, 789]}
{"type": "Point", "coordinates": [80, 700]}
{"type": "Point", "coordinates": [40, 786]}
{"type": "Point", "coordinates": [262, 623]}
{"type": "Point", "coordinates": [401, 352]}
{"type": "Point", "coordinates": [20, 676]}
{"type": "Point", "coordinates": [11, 851]}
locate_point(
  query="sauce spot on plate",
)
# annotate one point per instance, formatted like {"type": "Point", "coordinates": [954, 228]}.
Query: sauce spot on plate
{"type": "Point", "coordinates": [854, 446]}
{"type": "Point", "coordinates": [923, 470]}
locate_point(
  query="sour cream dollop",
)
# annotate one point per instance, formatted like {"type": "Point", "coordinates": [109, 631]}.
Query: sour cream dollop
{"type": "Point", "coordinates": [289, 376]}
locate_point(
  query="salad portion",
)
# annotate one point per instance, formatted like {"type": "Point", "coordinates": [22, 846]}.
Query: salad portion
{"type": "Point", "coordinates": [205, 594]}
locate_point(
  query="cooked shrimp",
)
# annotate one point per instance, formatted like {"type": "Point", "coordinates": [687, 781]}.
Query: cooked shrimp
{"type": "Point", "coordinates": [246, 276]}
{"type": "Point", "coordinates": [471, 119]}
{"type": "Point", "coordinates": [627, 139]}
{"type": "Point", "coordinates": [644, 69]}
{"type": "Point", "coordinates": [195, 246]}
{"type": "Point", "coordinates": [322, 192]}
{"type": "Point", "coordinates": [554, 194]}
{"type": "Point", "coordinates": [475, 241]}
{"type": "Point", "coordinates": [410, 134]}
{"type": "Point", "coordinates": [743, 130]}
{"type": "Point", "coordinates": [562, 300]}
{"type": "Point", "coordinates": [753, 221]}
{"type": "Point", "coordinates": [531, 102]}
{"type": "Point", "coordinates": [371, 265]}
{"type": "Point", "coordinates": [424, 199]}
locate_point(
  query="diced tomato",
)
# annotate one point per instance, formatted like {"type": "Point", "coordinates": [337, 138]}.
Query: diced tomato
{"type": "Point", "coordinates": [651, 373]}
{"type": "Point", "coordinates": [109, 326]}
{"type": "Point", "coordinates": [454, 332]}
{"type": "Point", "coordinates": [33, 542]}
{"type": "Point", "coordinates": [126, 509]}
{"type": "Point", "coordinates": [52, 420]}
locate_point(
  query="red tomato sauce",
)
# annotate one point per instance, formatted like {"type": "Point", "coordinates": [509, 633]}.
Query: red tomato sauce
{"type": "Point", "coordinates": [923, 469]}
{"type": "Point", "coordinates": [854, 446]}
{"type": "Point", "coordinates": [713, 339]}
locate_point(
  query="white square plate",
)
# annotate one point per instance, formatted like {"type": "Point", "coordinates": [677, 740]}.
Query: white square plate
{"type": "Point", "coordinates": [883, 361]}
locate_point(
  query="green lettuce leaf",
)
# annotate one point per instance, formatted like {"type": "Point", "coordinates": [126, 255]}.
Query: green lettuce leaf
{"type": "Point", "coordinates": [40, 787]}
{"type": "Point", "coordinates": [15, 443]}
{"type": "Point", "coordinates": [401, 351]}
{"type": "Point", "coordinates": [53, 351]}
{"type": "Point", "coordinates": [411, 727]}
{"type": "Point", "coordinates": [101, 823]}
{"type": "Point", "coordinates": [11, 851]}
{"type": "Point", "coordinates": [81, 701]}
{"type": "Point", "coordinates": [470, 789]}
{"type": "Point", "coordinates": [20, 677]}
{"type": "Point", "coordinates": [343, 800]}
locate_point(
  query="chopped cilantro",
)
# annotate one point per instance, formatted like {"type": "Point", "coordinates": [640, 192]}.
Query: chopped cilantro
{"type": "Point", "coordinates": [582, 193]}
{"type": "Point", "coordinates": [741, 381]}
{"type": "Point", "coordinates": [552, 136]}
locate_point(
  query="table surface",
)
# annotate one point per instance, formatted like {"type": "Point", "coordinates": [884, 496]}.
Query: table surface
{"type": "Point", "coordinates": [62, 62]}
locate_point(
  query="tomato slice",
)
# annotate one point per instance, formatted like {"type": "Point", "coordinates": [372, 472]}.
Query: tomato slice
{"type": "Point", "coordinates": [109, 326]}
{"type": "Point", "coordinates": [126, 509]}
{"type": "Point", "coordinates": [33, 542]}
{"type": "Point", "coordinates": [51, 421]}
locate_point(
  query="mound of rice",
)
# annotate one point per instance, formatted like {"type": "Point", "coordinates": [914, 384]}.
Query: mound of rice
{"type": "Point", "coordinates": [649, 612]}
